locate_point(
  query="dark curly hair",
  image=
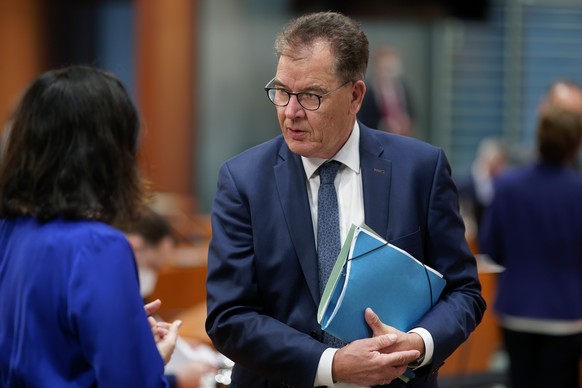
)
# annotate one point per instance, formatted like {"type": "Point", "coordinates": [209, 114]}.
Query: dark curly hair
{"type": "Point", "coordinates": [347, 41]}
{"type": "Point", "coordinates": [72, 150]}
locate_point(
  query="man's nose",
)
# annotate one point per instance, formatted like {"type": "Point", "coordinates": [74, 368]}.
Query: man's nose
{"type": "Point", "coordinates": [294, 107]}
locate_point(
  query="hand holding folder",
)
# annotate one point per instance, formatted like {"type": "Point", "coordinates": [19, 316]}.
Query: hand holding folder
{"type": "Point", "coordinates": [370, 272]}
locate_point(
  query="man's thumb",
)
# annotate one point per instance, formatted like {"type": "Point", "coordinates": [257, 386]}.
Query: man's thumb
{"type": "Point", "coordinates": [374, 322]}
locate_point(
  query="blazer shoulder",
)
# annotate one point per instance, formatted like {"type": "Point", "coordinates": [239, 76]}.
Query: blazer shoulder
{"type": "Point", "coordinates": [255, 166]}
{"type": "Point", "coordinates": [263, 154]}
{"type": "Point", "coordinates": [390, 145]}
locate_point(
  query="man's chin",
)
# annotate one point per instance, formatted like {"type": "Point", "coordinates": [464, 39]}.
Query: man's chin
{"type": "Point", "coordinates": [301, 148]}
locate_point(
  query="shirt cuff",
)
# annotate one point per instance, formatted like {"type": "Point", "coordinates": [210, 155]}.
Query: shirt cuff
{"type": "Point", "coordinates": [324, 376]}
{"type": "Point", "coordinates": [428, 345]}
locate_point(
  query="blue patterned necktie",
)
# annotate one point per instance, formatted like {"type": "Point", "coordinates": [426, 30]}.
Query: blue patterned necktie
{"type": "Point", "coordinates": [328, 233]}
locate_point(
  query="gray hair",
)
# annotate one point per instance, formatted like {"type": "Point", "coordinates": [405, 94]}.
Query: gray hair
{"type": "Point", "coordinates": [348, 42]}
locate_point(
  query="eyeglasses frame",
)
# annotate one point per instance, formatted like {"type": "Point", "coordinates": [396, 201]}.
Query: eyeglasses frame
{"type": "Point", "coordinates": [319, 96]}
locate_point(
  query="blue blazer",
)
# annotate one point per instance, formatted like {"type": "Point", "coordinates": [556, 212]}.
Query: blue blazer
{"type": "Point", "coordinates": [534, 228]}
{"type": "Point", "coordinates": [70, 310]}
{"type": "Point", "coordinates": [262, 283]}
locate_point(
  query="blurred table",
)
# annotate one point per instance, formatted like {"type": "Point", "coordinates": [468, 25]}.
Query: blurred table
{"type": "Point", "coordinates": [476, 355]}
{"type": "Point", "coordinates": [181, 284]}
{"type": "Point", "coordinates": [193, 320]}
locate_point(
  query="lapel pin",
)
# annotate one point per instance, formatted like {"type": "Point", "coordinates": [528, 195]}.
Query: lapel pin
{"type": "Point", "coordinates": [379, 170]}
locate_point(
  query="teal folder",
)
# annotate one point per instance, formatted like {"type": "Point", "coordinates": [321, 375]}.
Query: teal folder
{"type": "Point", "coordinates": [370, 272]}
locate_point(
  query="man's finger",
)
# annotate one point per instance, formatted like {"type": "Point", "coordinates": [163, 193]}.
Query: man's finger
{"type": "Point", "coordinates": [401, 358]}
{"type": "Point", "coordinates": [385, 340]}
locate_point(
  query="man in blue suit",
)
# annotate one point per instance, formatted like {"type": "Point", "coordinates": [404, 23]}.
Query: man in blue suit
{"type": "Point", "coordinates": [263, 280]}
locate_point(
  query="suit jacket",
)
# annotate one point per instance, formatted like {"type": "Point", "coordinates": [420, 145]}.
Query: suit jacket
{"type": "Point", "coordinates": [534, 228]}
{"type": "Point", "coordinates": [262, 283]}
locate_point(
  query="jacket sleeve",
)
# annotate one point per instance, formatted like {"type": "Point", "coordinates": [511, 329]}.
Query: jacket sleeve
{"type": "Point", "coordinates": [461, 306]}
{"type": "Point", "coordinates": [107, 314]}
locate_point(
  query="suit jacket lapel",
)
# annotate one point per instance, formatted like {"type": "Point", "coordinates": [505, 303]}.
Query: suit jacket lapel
{"type": "Point", "coordinates": [376, 181]}
{"type": "Point", "coordinates": [291, 186]}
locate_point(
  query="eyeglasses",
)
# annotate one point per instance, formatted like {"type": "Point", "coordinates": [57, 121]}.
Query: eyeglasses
{"type": "Point", "coordinates": [309, 101]}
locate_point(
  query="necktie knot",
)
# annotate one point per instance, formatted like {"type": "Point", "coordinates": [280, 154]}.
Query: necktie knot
{"type": "Point", "coordinates": [328, 171]}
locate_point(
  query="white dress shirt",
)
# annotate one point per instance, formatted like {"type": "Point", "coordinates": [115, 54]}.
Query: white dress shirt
{"type": "Point", "coordinates": [348, 183]}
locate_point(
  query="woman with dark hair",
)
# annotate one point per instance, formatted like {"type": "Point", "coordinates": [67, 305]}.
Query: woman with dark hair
{"type": "Point", "coordinates": [70, 308]}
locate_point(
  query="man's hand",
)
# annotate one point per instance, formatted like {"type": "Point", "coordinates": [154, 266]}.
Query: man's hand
{"type": "Point", "coordinates": [367, 362]}
{"type": "Point", "coordinates": [377, 360]}
{"type": "Point", "coordinates": [404, 341]}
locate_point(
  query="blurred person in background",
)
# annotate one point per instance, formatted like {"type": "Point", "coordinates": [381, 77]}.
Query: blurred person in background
{"type": "Point", "coordinates": [387, 104]}
{"type": "Point", "coordinates": [70, 309]}
{"type": "Point", "coordinates": [533, 227]}
{"type": "Point", "coordinates": [564, 94]}
{"type": "Point", "coordinates": [567, 95]}
{"type": "Point", "coordinates": [154, 243]}
{"type": "Point", "coordinates": [476, 188]}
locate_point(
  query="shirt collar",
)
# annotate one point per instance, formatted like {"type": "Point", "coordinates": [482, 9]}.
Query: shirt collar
{"type": "Point", "coordinates": [348, 155]}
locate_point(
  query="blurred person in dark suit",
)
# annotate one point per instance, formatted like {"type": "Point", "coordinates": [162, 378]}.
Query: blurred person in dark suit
{"type": "Point", "coordinates": [476, 188]}
{"type": "Point", "coordinates": [533, 227]}
{"type": "Point", "coordinates": [70, 309]}
{"type": "Point", "coordinates": [387, 104]}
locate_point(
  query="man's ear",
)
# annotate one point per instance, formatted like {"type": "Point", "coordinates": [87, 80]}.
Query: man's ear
{"type": "Point", "coordinates": [358, 92]}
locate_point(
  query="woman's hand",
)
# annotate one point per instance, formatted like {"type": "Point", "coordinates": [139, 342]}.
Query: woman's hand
{"type": "Point", "coordinates": [165, 334]}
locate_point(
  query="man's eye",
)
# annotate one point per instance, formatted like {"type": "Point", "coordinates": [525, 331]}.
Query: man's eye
{"type": "Point", "coordinates": [309, 97]}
